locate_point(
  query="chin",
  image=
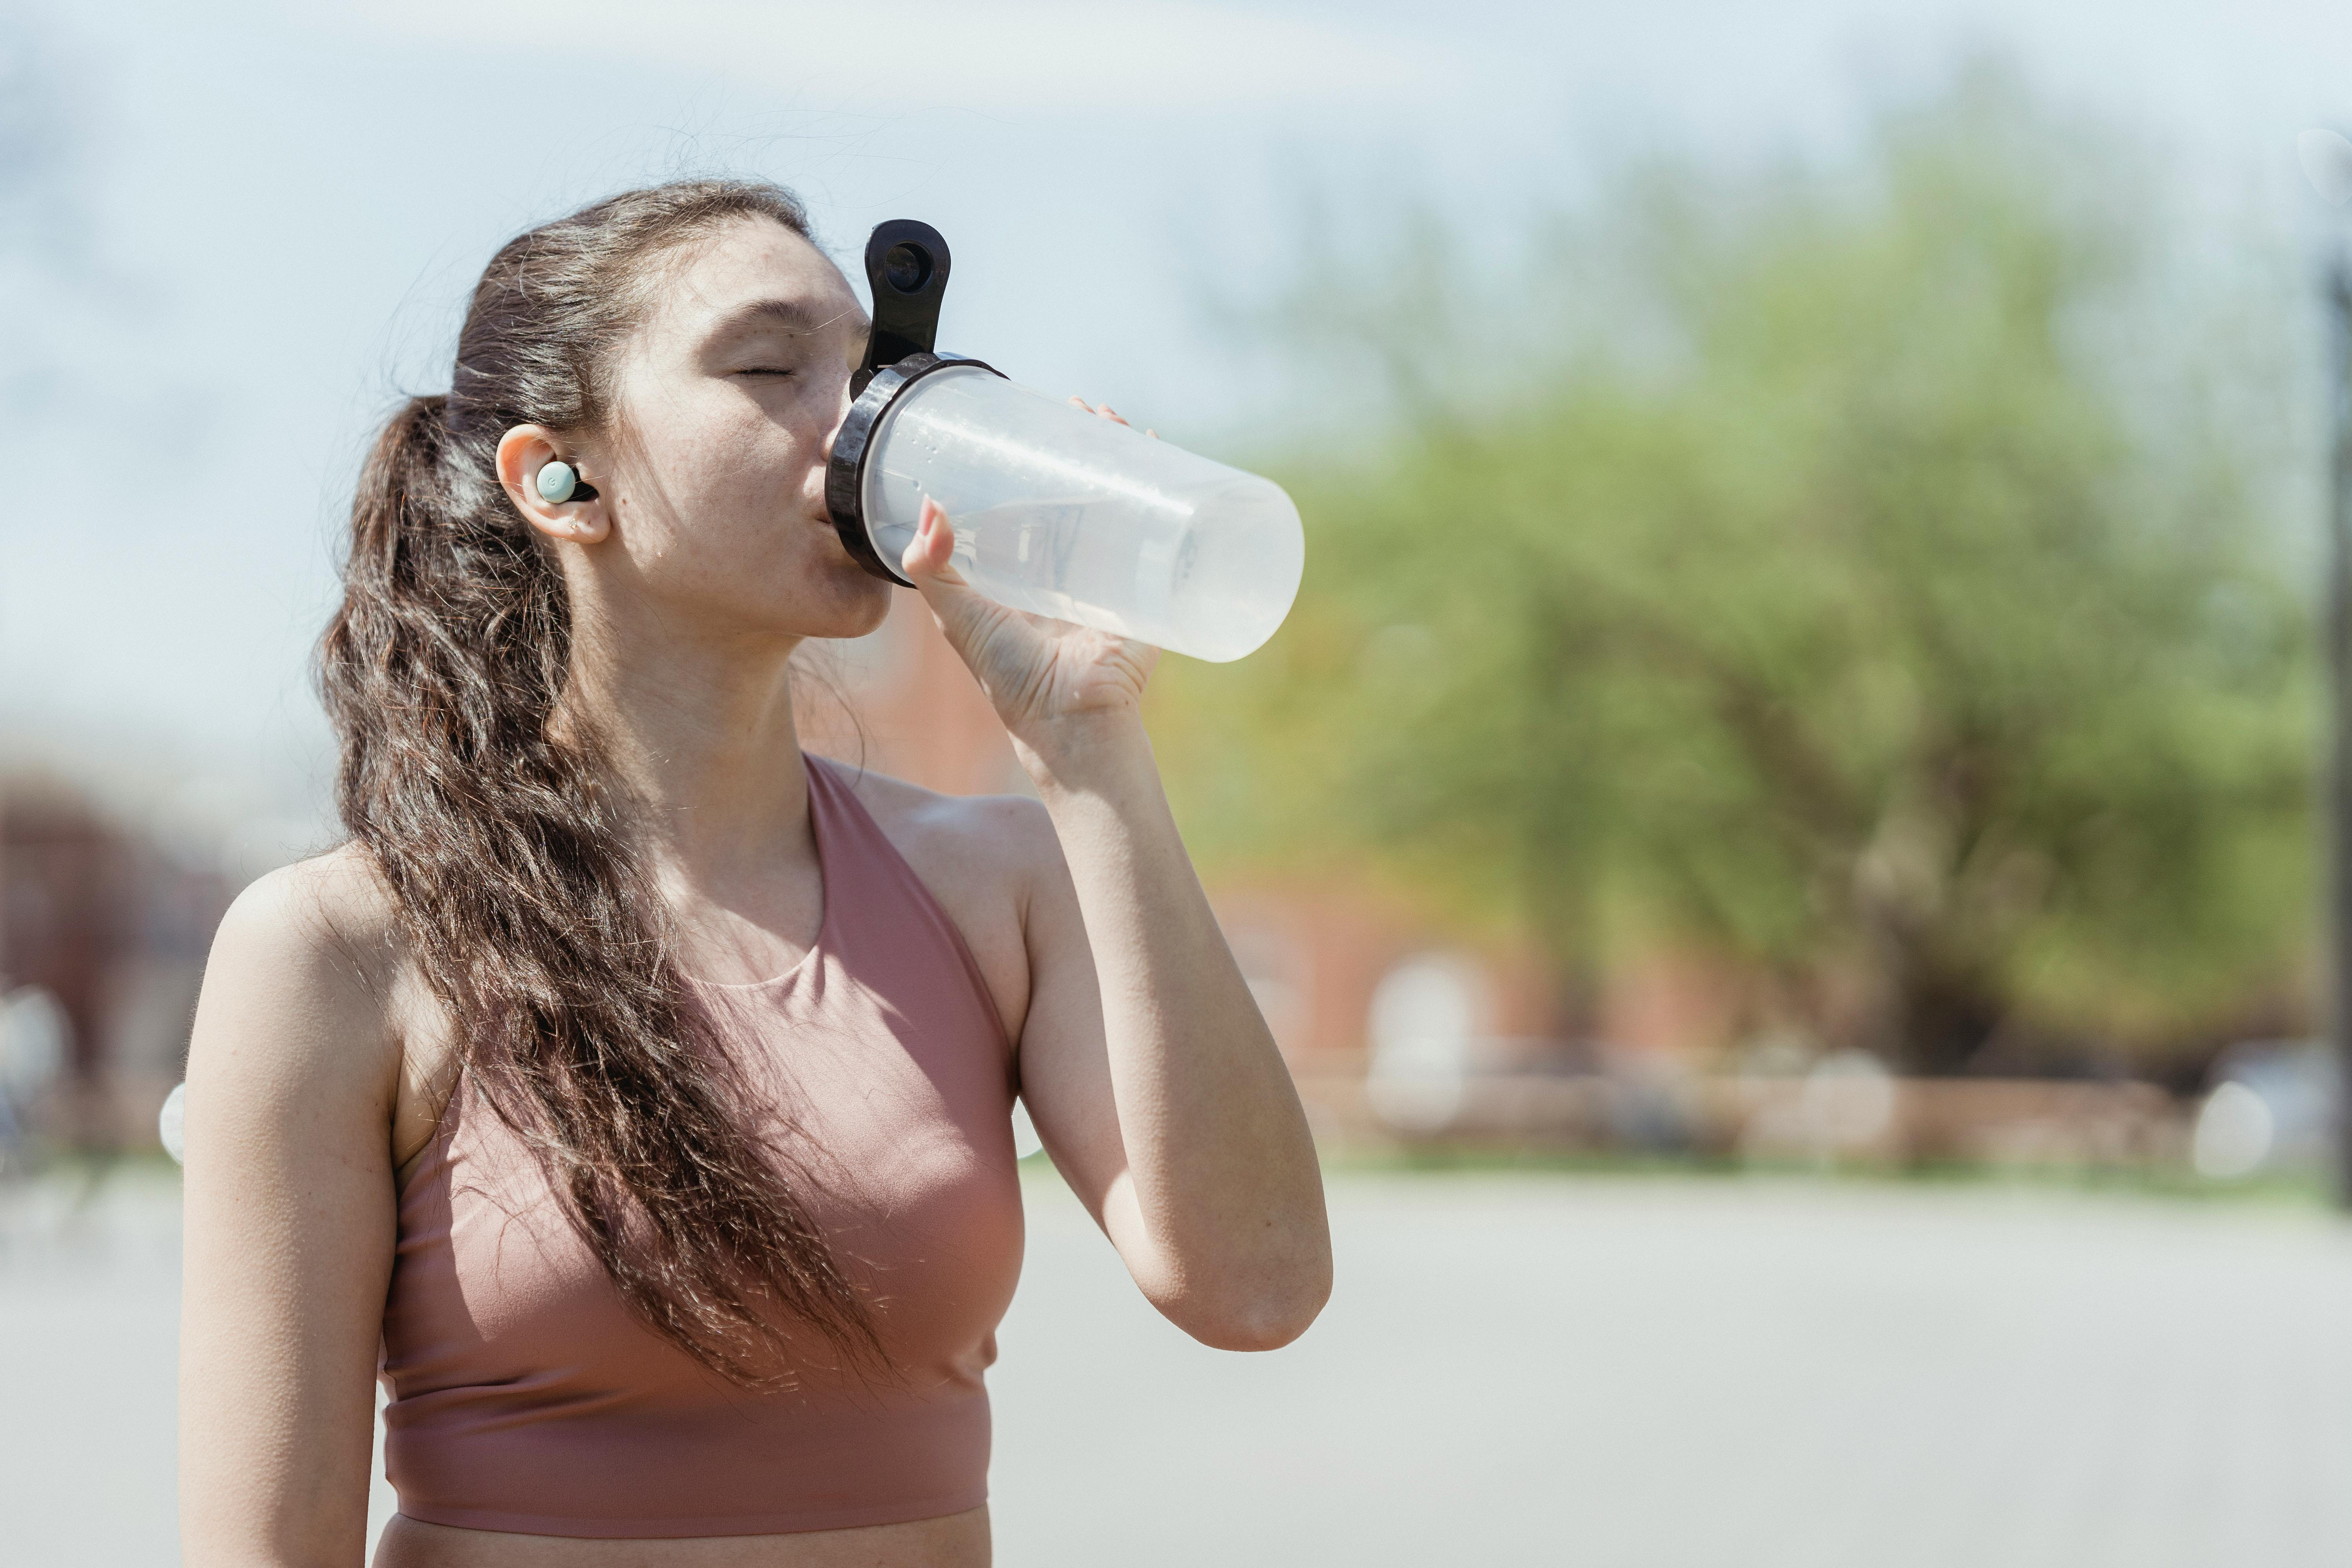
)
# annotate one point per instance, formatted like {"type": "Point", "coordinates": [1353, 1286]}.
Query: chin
{"type": "Point", "coordinates": [861, 601]}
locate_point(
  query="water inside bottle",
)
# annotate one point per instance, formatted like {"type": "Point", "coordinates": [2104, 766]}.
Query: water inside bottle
{"type": "Point", "coordinates": [1062, 515]}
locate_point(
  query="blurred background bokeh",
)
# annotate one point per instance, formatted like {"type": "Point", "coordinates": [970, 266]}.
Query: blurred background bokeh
{"type": "Point", "coordinates": [1808, 689]}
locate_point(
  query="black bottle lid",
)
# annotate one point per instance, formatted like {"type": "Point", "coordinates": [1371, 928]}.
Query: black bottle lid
{"type": "Point", "coordinates": [907, 265]}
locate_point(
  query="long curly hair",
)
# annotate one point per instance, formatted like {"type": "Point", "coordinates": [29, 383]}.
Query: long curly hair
{"type": "Point", "coordinates": [505, 841]}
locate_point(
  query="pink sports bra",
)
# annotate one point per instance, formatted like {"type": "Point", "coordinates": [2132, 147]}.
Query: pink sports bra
{"type": "Point", "coordinates": [524, 1396]}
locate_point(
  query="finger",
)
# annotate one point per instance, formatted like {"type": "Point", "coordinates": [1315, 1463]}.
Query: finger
{"type": "Point", "coordinates": [930, 561]}
{"type": "Point", "coordinates": [972, 623]}
{"type": "Point", "coordinates": [930, 554]}
{"type": "Point", "coordinates": [1103, 411]}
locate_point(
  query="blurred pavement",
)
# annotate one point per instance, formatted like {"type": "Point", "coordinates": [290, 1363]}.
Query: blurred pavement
{"type": "Point", "coordinates": [1623, 1373]}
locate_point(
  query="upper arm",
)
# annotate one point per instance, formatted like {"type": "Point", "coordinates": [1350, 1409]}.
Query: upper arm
{"type": "Point", "coordinates": [1065, 1059]}
{"type": "Point", "coordinates": [291, 1220]}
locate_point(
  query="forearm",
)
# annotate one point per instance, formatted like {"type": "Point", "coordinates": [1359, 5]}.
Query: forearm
{"type": "Point", "coordinates": [1223, 1173]}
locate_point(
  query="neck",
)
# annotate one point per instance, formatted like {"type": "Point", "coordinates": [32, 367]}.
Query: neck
{"type": "Point", "coordinates": [703, 736]}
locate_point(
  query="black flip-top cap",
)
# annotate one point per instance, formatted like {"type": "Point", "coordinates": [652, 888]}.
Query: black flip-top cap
{"type": "Point", "coordinates": [907, 266]}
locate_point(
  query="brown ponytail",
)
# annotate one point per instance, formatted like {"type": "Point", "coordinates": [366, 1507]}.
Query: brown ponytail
{"type": "Point", "coordinates": [505, 847]}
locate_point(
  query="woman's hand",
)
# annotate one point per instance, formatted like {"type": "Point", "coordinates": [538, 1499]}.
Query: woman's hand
{"type": "Point", "coordinates": [1044, 676]}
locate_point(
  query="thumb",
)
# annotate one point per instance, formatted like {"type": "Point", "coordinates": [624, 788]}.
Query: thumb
{"type": "Point", "coordinates": [928, 561]}
{"type": "Point", "coordinates": [930, 556]}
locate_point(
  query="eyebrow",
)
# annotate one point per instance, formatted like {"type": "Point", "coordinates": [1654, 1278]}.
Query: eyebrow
{"type": "Point", "coordinates": [794, 315]}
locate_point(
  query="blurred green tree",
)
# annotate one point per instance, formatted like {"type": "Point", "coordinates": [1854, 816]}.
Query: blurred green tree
{"type": "Point", "coordinates": [1857, 589]}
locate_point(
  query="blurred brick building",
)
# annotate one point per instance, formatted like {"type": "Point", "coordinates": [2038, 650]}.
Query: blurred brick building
{"type": "Point", "coordinates": [113, 925]}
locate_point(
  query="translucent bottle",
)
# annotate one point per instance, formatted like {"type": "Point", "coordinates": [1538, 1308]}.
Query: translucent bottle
{"type": "Point", "coordinates": [1070, 515]}
{"type": "Point", "coordinates": [1057, 510]}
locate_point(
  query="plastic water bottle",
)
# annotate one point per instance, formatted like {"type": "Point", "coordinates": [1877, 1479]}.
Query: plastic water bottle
{"type": "Point", "coordinates": [1057, 510]}
{"type": "Point", "coordinates": [1067, 514]}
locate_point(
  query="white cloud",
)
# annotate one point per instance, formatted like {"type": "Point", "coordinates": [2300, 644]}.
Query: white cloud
{"type": "Point", "coordinates": [1004, 55]}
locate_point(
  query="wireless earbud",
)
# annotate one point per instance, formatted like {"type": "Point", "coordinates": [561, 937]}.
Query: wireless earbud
{"type": "Point", "coordinates": [559, 482]}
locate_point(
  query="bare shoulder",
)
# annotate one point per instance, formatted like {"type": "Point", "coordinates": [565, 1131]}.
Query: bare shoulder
{"type": "Point", "coordinates": [327, 919]}
{"type": "Point", "coordinates": [983, 858]}
{"type": "Point", "coordinates": [304, 976]}
{"type": "Point", "coordinates": [1006, 839]}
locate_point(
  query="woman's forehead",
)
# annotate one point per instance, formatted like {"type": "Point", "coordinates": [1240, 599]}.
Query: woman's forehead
{"type": "Point", "coordinates": [755, 272]}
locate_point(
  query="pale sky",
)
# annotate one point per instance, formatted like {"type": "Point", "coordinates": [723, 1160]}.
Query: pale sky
{"type": "Point", "coordinates": [289, 202]}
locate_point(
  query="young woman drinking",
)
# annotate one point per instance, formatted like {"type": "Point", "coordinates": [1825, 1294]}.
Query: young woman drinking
{"type": "Point", "coordinates": [630, 1093]}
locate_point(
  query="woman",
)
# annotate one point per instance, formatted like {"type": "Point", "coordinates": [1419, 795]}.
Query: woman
{"type": "Point", "coordinates": [632, 1090]}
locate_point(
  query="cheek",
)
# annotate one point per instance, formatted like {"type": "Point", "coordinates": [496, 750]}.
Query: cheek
{"type": "Point", "coordinates": [727, 491]}
{"type": "Point", "coordinates": [726, 515]}
{"type": "Point", "coordinates": [727, 464]}
{"type": "Point", "coordinates": [757, 556]}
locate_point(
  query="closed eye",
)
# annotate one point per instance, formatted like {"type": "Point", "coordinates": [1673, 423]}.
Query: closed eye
{"type": "Point", "coordinates": [763, 370]}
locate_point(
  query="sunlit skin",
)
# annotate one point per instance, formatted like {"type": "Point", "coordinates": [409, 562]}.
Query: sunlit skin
{"type": "Point", "coordinates": [319, 1061]}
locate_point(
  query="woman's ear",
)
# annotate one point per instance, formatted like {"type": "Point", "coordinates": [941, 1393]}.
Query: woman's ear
{"type": "Point", "coordinates": [525, 455]}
